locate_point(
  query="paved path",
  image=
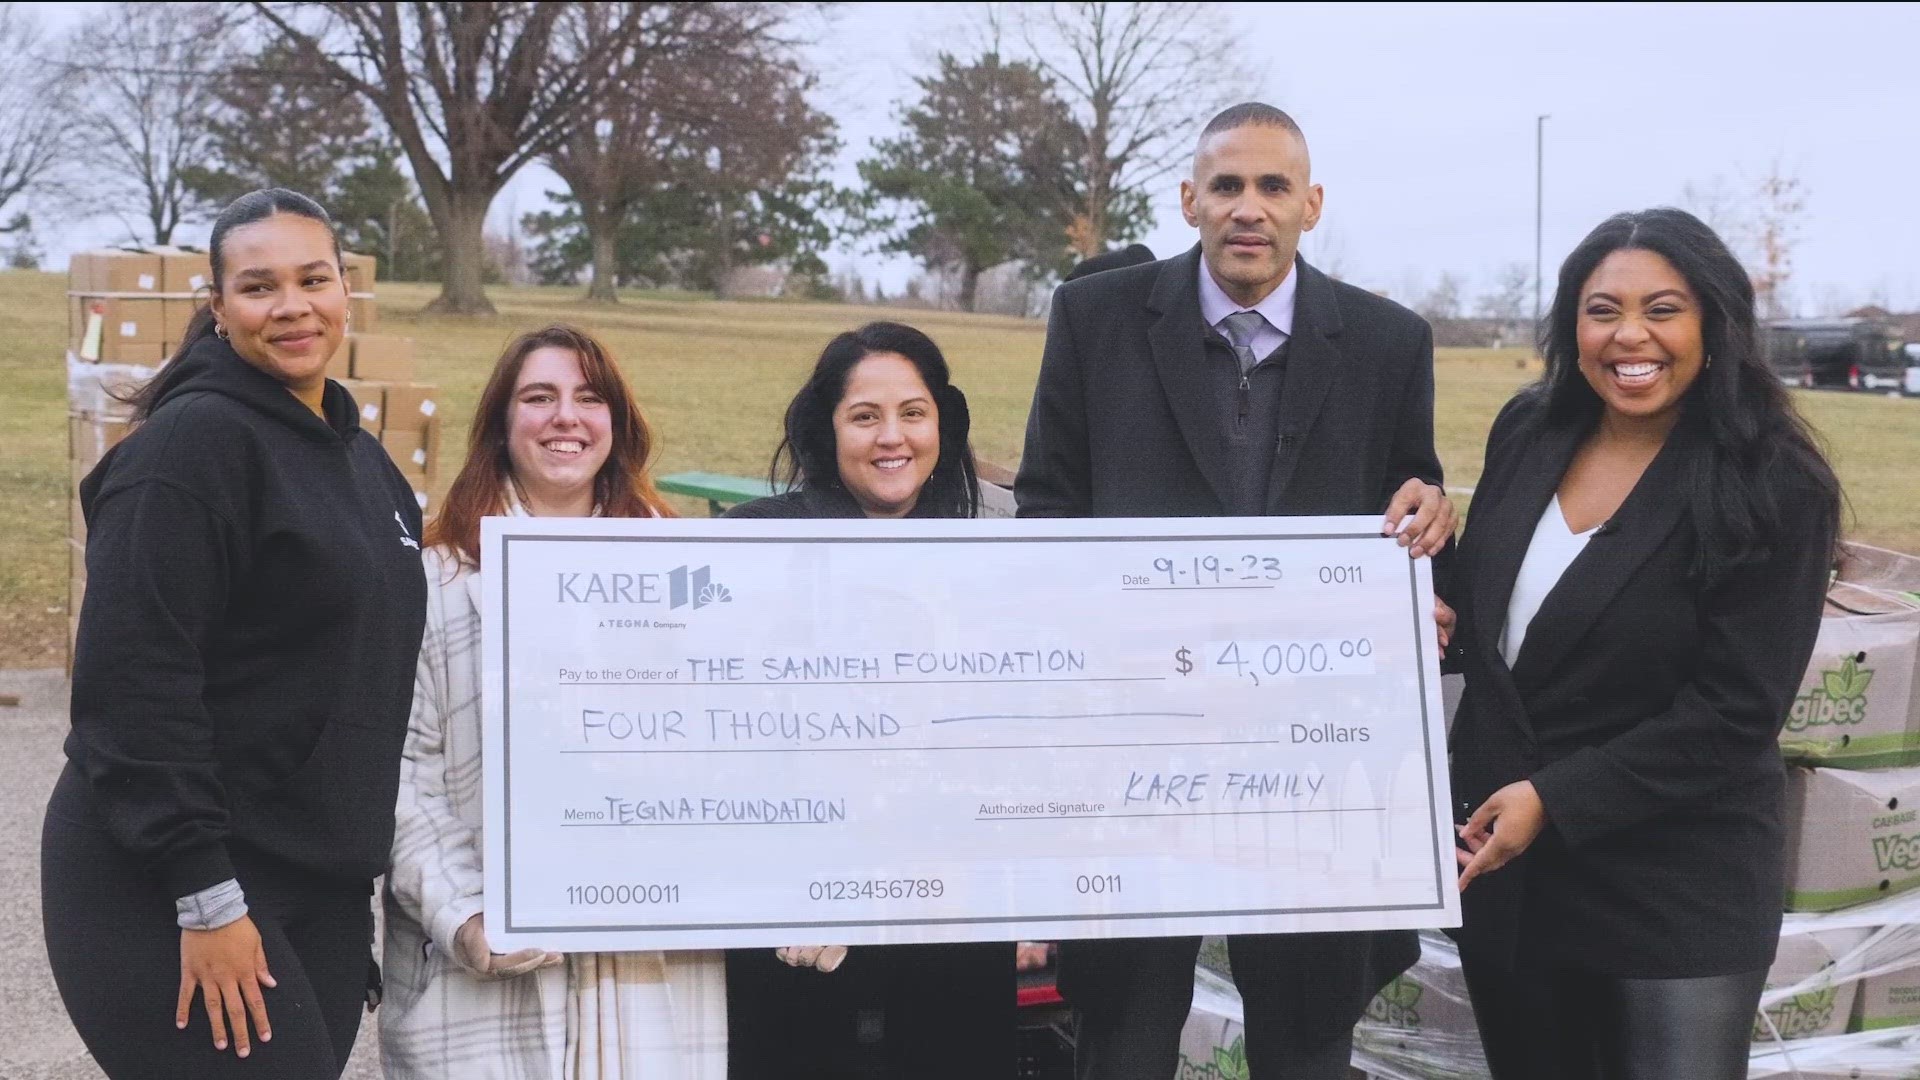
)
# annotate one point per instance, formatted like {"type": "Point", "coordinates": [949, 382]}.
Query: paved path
{"type": "Point", "coordinates": [40, 1044]}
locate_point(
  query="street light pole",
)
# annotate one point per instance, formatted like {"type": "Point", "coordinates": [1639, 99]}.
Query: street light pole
{"type": "Point", "coordinates": [1539, 218]}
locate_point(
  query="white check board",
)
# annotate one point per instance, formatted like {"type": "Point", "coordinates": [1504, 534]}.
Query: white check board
{"type": "Point", "coordinates": [728, 733]}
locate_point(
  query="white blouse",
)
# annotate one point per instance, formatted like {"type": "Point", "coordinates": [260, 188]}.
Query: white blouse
{"type": "Point", "coordinates": [1553, 548]}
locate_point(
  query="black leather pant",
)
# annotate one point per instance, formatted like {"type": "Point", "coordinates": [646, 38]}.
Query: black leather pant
{"type": "Point", "coordinates": [1543, 1024]}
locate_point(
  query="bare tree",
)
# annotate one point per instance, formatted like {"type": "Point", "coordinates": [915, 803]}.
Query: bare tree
{"type": "Point", "coordinates": [1509, 298]}
{"type": "Point", "coordinates": [34, 109]}
{"type": "Point", "coordinates": [1326, 248]}
{"type": "Point", "coordinates": [1780, 199]}
{"type": "Point", "coordinates": [147, 78]}
{"type": "Point", "coordinates": [471, 91]}
{"type": "Point", "coordinates": [1723, 210]}
{"type": "Point", "coordinates": [1142, 78]}
{"type": "Point", "coordinates": [1443, 300]}
{"type": "Point", "coordinates": [1761, 225]}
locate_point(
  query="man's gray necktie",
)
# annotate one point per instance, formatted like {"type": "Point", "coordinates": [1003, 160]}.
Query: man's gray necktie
{"type": "Point", "coordinates": [1240, 328]}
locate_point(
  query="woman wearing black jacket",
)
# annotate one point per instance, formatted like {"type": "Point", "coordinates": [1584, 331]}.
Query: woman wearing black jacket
{"type": "Point", "coordinates": [1638, 592]}
{"type": "Point", "coordinates": [241, 682]}
{"type": "Point", "coordinates": [878, 431]}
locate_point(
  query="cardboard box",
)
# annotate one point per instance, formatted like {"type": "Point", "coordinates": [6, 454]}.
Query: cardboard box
{"type": "Point", "coordinates": [359, 271]}
{"type": "Point", "coordinates": [410, 406]}
{"type": "Point", "coordinates": [184, 271]}
{"type": "Point", "coordinates": [1821, 1005]}
{"type": "Point", "coordinates": [371, 398]}
{"type": "Point", "coordinates": [996, 501]}
{"type": "Point", "coordinates": [144, 353]}
{"type": "Point", "coordinates": [88, 440]}
{"type": "Point", "coordinates": [1888, 1001]}
{"type": "Point", "coordinates": [113, 270]}
{"type": "Point", "coordinates": [174, 317]}
{"type": "Point", "coordinates": [409, 451]}
{"type": "Point", "coordinates": [366, 315]}
{"type": "Point", "coordinates": [1851, 836]}
{"type": "Point", "coordinates": [382, 357]}
{"type": "Point", "coordinates": [121, 330]}
{"type": "Point", "coordinates": [1856, 705]}
{"type": "Point", "coordinates": [89, 437]}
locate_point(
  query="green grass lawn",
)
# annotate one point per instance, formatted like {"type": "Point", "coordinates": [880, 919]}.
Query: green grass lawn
{"type": "Point", "coordinates": [714, 378]}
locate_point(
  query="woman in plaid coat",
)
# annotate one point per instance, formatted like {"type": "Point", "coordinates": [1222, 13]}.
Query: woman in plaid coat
{"type": "Point", "coordinates": [556, 434]}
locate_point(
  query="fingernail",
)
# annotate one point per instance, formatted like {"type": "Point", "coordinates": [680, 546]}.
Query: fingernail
{"type": "Point", "coordinates": [179, 1025]}
{"type": "Point", "coordinates": [244, 1052]}
{"type": "Point", "coordinates": [219, 1044]}
{"type": "Point", "coordinates": [266, 1036]}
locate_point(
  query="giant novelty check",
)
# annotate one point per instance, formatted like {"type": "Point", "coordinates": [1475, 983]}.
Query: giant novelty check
{"type": "Point", "coordinates": [727, 733]}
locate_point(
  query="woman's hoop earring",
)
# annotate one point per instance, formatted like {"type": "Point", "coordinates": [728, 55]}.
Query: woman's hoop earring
{"type": "Point", "coordinates": [220, 331]}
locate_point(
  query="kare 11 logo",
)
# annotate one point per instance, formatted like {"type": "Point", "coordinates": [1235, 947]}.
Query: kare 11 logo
{"type": "Point", "coordinates": [681, 587]}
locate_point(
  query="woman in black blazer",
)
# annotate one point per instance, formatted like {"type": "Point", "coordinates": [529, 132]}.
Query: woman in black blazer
{"type": "Point", "coordinates": [878, 431]}
{"type": "Point", "coordinates": [1638, 592]}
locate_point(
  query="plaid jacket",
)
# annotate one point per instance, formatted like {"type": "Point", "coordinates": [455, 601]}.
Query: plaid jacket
{"type": "Point", "coordinates": [601, 1016]}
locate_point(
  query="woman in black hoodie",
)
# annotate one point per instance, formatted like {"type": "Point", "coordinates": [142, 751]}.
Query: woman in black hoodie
{"type": "Point", "coordinates": [241, 683]}
{"type": "Point", "coordinates": [878, 431]}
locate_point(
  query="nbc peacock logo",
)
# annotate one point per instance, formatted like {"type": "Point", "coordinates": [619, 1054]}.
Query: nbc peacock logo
{"type": "Point", "coordinates": [1839, 699]}
{"type": "Point", "coordinates": [686, 585]}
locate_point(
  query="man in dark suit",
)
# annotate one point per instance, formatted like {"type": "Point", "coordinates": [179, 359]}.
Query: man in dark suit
{"type": "Point", "coordinates": [1234, 380]}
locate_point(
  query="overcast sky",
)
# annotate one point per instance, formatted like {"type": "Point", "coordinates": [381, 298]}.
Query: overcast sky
{"type": "Point", "coordinates": [1421, 122]}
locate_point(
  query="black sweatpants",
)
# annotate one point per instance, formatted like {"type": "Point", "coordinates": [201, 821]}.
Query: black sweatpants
{"type": "Point", "coordinates": [899, 1012]}
{"type": "Point", "coordinates": [115, 951]}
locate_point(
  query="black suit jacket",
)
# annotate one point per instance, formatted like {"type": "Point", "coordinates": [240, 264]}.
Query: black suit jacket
{"type": "Point", "coordinates": [1124, 425]}
{"type": "Point", "coordinates": [1644, 705]}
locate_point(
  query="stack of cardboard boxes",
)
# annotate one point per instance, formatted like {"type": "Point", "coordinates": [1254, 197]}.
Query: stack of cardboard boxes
{"type": "Point", "coordinates": [403, 414]}
{"type": "Point", "coordinates": [1853, 795]}
{"type": "Point", "coordinates": [127, 311]}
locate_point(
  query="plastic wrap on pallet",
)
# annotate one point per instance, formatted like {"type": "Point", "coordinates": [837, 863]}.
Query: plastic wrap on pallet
{"type": "Point", "coordinates": [1887, 933]}
{"type": "Point", "coordinates": [1809, 996]}
{"type": "Point", "coordinates": [1880, 568]}
{"type": "Point", "coordinates": [1871, 1055]}
{"type": "Point", "coordinates": [1213, 1044]}
{"type": "Point", "coordinates": [1421, 1026]}
{"type": "Point", "coordinates": [96, 389]}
